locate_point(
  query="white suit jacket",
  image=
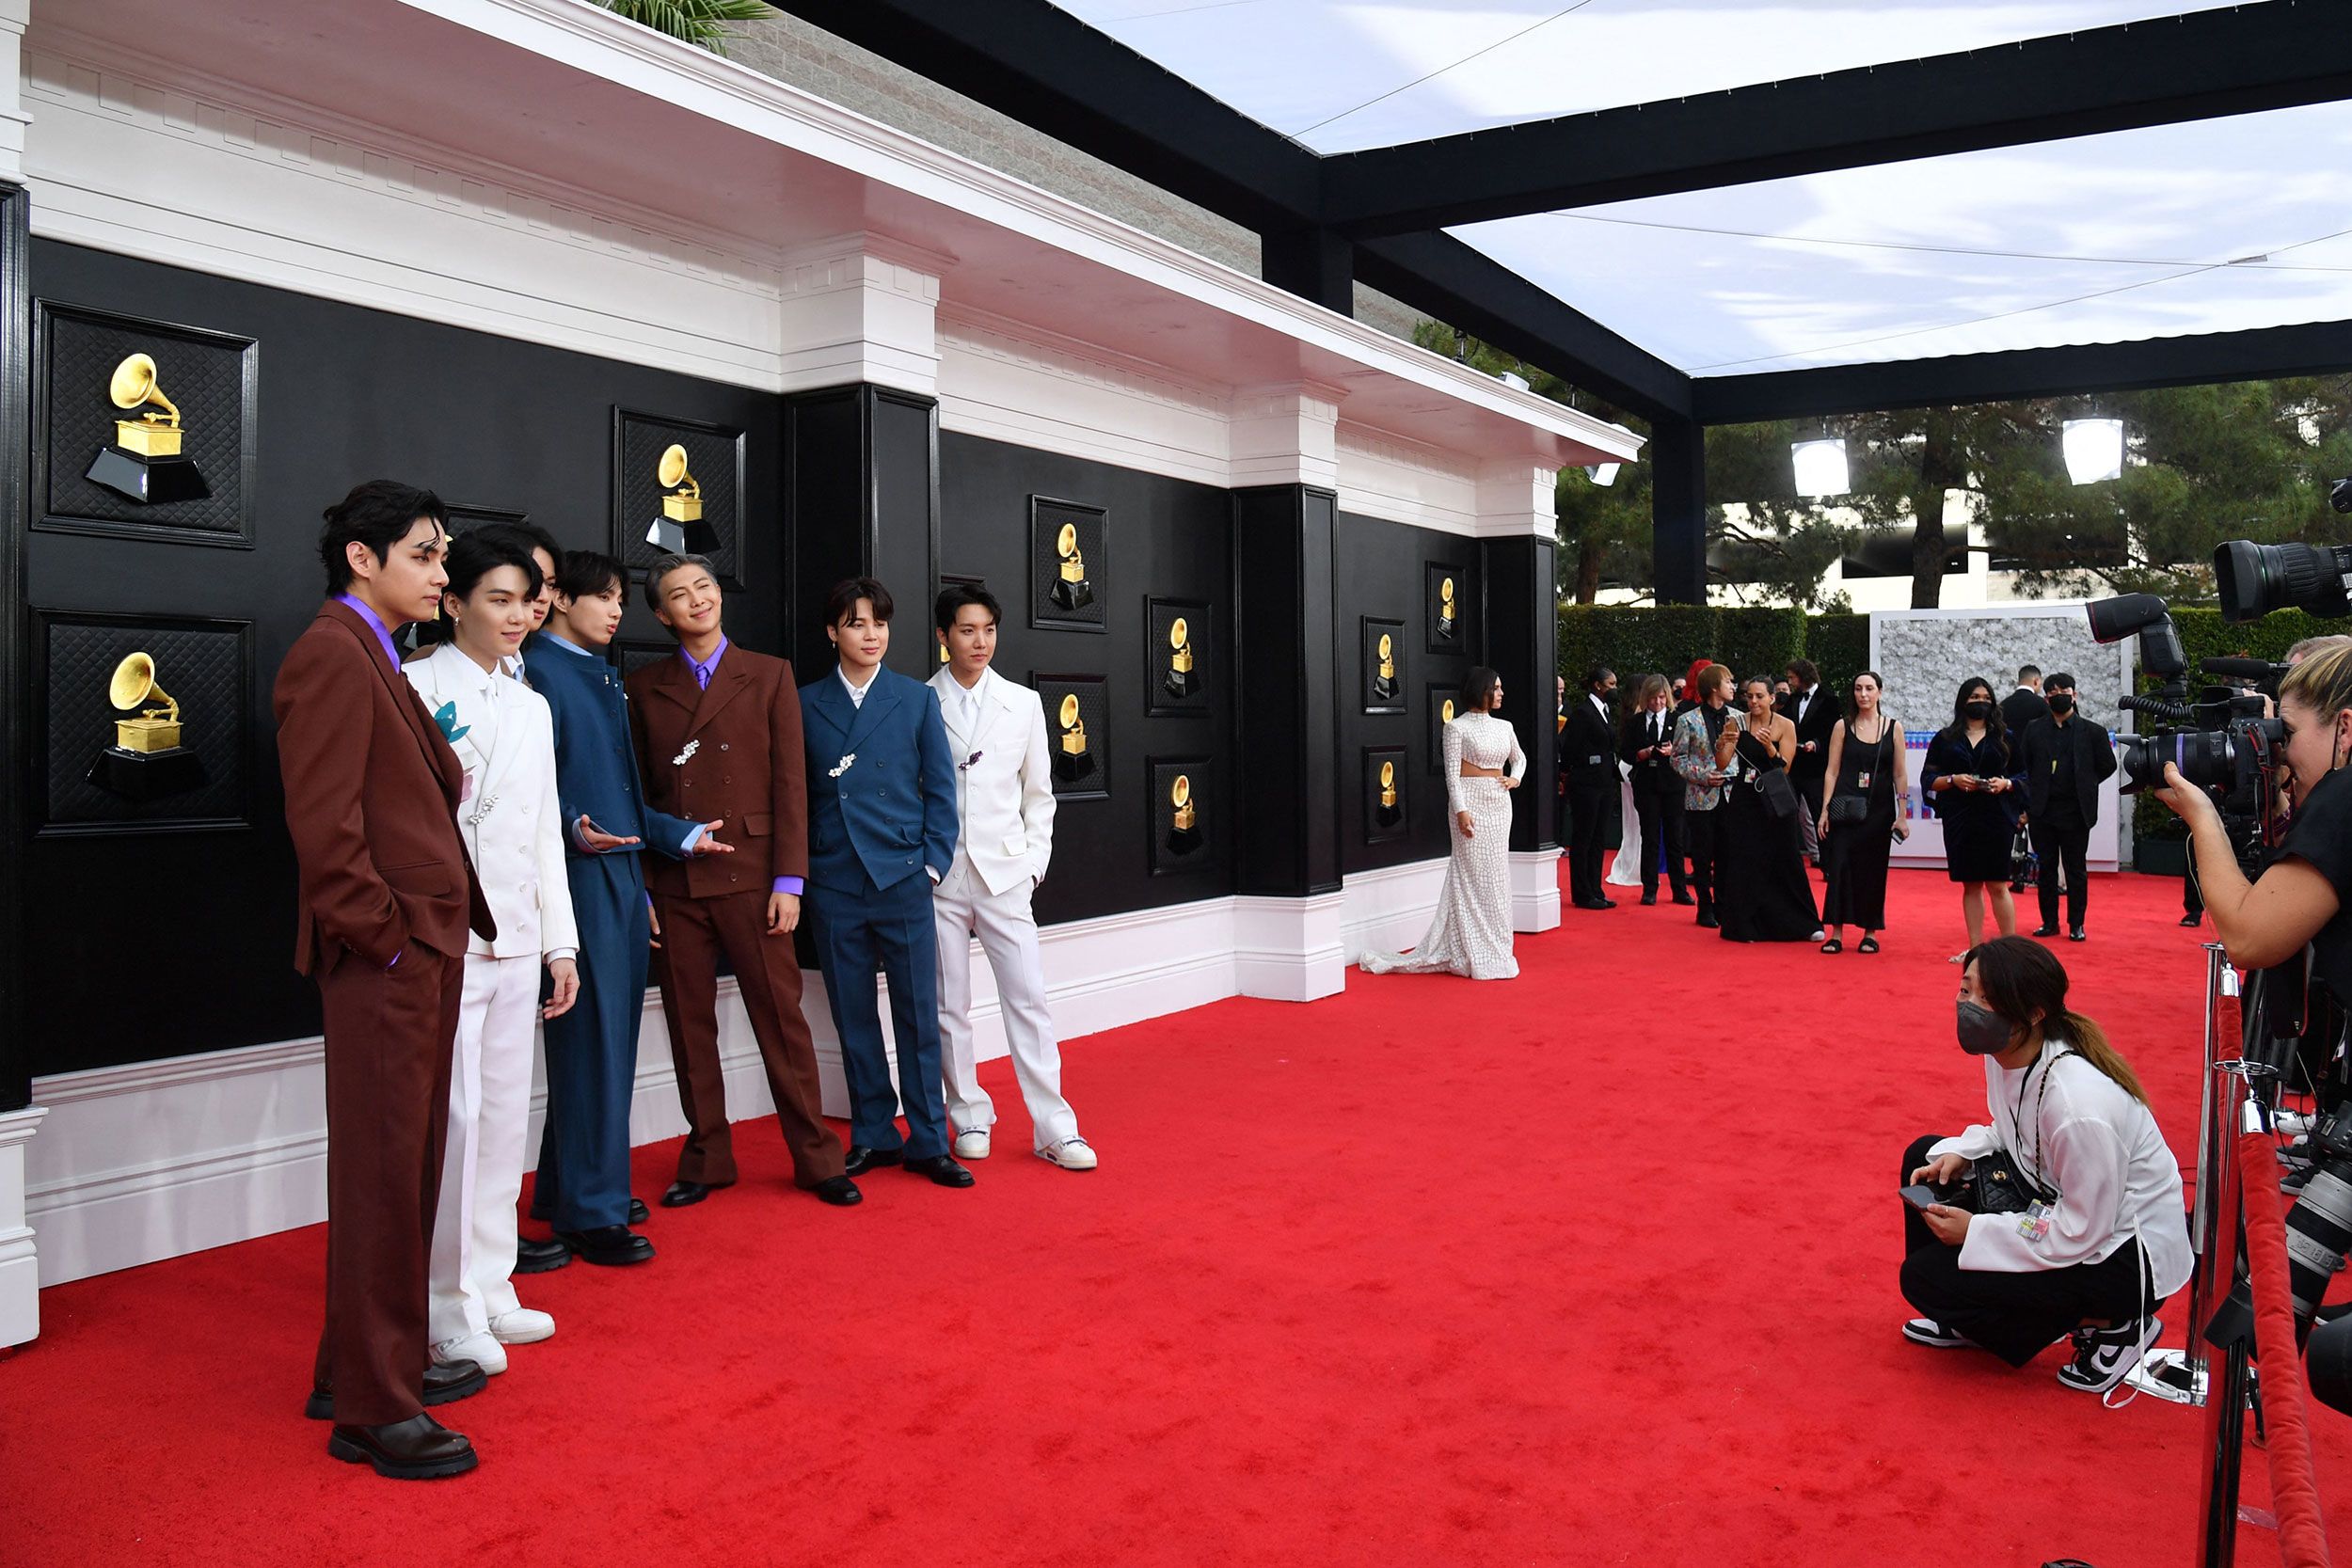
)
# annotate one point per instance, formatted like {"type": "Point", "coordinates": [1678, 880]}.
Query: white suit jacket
{"type": "Point", "coordinates": [1004, 798]}
{"type": "Point", "coordinates": [513, 824]}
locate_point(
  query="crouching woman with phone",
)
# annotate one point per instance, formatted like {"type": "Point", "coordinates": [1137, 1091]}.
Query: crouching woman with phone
{"type": "Point", "coordinates": [2063, 1216]}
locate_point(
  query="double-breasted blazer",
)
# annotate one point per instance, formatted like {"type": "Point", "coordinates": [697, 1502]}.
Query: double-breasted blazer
{"type": "Point", "coordinates": [372, 792]}
{"type": "Point", "coordinates": [1004, 779]}
{"type": "Point", "coordinates": [508, 811]}
{"type": "Point", "coordinates": [729, 751]}
{"type": "Point", "coordinates": [881, 784]}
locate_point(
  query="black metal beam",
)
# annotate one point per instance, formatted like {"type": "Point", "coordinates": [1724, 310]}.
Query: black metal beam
{"type": "Point", "coordinates": [1452, 283]}
{"type": "Point", "coordinates": [2273, 56]}
{"type": "Point", "coordinates": [2262, 353]}
{"type": "Point", "coordinates": [1313, 263]}
{"type": "Point", "coordinates": [16, 724]}
{"type": "Point", "coordinates": [1677, 504]}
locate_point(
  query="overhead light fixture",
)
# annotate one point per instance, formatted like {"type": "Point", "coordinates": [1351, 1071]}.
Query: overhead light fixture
{"type": "Point", "coordinates": [1512, 379]}
{"type": "Point", "coordinates": [1603, 474]}
{"type": "Point", "coordinates": [2093, 448]}
{"type": "Point", "coordinates": [1820, 466]}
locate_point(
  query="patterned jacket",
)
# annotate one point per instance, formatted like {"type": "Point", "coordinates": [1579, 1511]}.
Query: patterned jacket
{"type": "Point", "coordinates": [1695, 759]}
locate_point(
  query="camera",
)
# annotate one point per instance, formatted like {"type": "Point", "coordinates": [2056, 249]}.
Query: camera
{"type": "Point", "coordinates": [2254, 579]}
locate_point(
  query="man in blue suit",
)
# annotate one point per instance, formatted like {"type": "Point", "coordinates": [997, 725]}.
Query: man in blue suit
{"type": "Point", "coordinates": [591, 1050]}
{"type": "Point", "coordinates": [882, 832]}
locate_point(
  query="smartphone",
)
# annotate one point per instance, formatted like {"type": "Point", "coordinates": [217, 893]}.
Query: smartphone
{"type": "Point", "coordinates": [1920, 1196]}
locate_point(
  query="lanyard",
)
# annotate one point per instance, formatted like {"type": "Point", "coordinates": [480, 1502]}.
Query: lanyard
{"type": "Point", "coordinates": [2016, 1120]}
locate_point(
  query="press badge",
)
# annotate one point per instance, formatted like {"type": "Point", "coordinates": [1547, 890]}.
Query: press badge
{"type": "Point", "coordinates": [2034, 1223]}
{"type": "Point", "coordinates": [1862, 780]}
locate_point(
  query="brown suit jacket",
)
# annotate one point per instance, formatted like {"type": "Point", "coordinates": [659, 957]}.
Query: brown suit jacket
{"type": "Point", "coordinates": [371, 800]}
{"type": "Point", "coordinates": [747, 769]}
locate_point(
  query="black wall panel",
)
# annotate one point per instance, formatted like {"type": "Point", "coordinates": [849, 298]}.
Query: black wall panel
{"type": "Point", "coordinates": [1163, 538]}
{"type": "Point", "coordinates": [1379, 569]}
{"type": "Point", "coordinates": [152, 944]}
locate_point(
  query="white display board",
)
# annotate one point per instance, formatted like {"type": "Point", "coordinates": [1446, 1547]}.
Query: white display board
{"type": "Point", "coordinates": [1924, 655]}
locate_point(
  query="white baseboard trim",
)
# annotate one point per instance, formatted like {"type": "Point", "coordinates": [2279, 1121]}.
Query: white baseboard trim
{"type": "Point", "coordinates": [20, 1267]}
{"type": "Point", "coordinates": [230, 1144]}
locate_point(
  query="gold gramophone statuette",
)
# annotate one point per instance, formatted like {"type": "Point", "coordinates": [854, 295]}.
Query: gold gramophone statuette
{"type": "Point", "coordinates": [1445, 607]}
{"type": "Point", "coordinates": [1178, 680]}
{"type": "Point", "coordinates": [157, 729]}
{"type": "Point", "coordinates": [1073, 761]}
{"type": "Point", "coordinates": [1446, 712]}
{"type": "Point", "coordinates": [682, 497]}
{"type": "Point", "coordinates": [152, 435]}
{"type": "Point", "coordinates": [1071, 589]}
{"type": "Point", "coordinates": [1388, 787]}
{"type": "Point", "coordinates": [1384, 675]}
{"type": "Point", "coordinates": [1180, 795]}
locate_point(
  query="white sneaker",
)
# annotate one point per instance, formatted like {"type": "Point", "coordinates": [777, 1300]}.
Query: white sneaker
{"type": "Point", "coordinates": [522, 1326]}
{"type": "Point", "coordinates": [1070, 1154]}
{"type": "Point", "coordinates": [972, 1144]}
{"type": "Point", "coordinates": [480, 1349]}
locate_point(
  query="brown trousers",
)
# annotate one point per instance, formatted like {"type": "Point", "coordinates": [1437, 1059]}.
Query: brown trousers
{"type": "Point", "coordinates": [695, 931]}
{"type": "Point", "coordinates": [390, 1037]}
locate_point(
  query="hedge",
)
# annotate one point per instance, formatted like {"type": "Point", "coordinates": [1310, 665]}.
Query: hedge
{"type": "Point", "coordinates": [1664, 640]}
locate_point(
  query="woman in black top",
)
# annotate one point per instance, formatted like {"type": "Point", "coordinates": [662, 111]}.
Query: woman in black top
{"type": "Point", "coordinates": [1866, 762]}
{"type": "Point", "coordinates": [1761, 893]}
{"type": "Point", "coordinates": [1972, 781]}
{"type": "Point", "coordinates": [2301, 897]}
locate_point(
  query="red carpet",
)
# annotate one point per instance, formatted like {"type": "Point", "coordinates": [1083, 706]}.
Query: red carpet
{"type": "Point", "coordinates": [1592, 1267]}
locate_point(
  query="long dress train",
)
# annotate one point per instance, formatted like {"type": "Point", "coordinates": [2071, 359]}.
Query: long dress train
{"type": "Point", "coordinates": [1626, 869]}
{"type": "Point", "coordinates": [1471, 933]}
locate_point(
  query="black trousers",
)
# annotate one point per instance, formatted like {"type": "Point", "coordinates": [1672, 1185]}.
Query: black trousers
{"type": "Point", "coordinates": [2015, 1315]}
{"type": "Point", "coordinates": [1702, 830]}
{"type": "Point", "coordinates": [1809, 788]}
{"type": "Point", "coordinates": [2061, 835]}
{"type": "Point", "coordinates": [1588, 819]}
{"type": "Point", "coordinates": [1661, 815]}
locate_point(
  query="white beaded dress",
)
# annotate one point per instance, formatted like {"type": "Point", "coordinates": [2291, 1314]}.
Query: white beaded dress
{"type": "Point", "coordinates": [1471, 933]}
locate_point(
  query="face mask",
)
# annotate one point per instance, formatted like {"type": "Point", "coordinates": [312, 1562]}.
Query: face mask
{"type": "Point", "coordinates": [1982, 1031]}
{"type": "Point", "coordinates": [1979, 710]}
{"type": "Point", "coordinates": [2062, 703]}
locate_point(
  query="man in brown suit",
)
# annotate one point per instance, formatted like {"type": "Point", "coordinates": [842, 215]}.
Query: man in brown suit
{"type": "Point", "coordinates": [718, 732]}
{"type": "Point", "coordinates": [385, 899]}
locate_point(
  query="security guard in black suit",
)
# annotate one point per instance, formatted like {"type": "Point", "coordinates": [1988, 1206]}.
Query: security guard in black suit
{"type": "Point", "coordinates": [1588, 761]}
{"type": "Point", "coordinates": [2067, 757]}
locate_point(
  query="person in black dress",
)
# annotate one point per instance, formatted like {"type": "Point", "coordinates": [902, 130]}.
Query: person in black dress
{"type": "Point", "coordinates": [1973, 783]}
{"type": "Point", "coordinates": [1857, 824]}
{"type": "Point", "coordinates": [1764, 894]}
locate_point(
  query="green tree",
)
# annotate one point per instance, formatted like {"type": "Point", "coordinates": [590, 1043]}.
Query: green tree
{"type": "Point", "coordinates": [698, 22]}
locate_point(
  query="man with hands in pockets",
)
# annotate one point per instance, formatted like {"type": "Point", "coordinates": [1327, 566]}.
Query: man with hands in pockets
{"type": "Point", "coordinates": [1004, 807]}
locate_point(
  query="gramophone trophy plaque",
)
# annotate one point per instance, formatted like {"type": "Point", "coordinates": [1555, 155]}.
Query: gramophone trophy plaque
{"type": "Point", "coordinates": [1073, 761]}
{"type": "Point", "coordinates": [145, 464]}
{"type": "Point", "coordinates": [1390, 808]}
{"type": "Point", "coordinates": [1384, 673]}
{"type": "Point", "coordinates": [146, 760]}
{"type": "Point", "coordinates": [1447, 624]}
{"type": "Point", "coordinates": [1183, 829]}
{"type": "Point", "coordinates": [680, 529]}
{"type": "Point", "coordinates": [1383, 644]}
{"type": "Point", "coordinates": [1071, 591]}
{"type": "Point", "coordinates": [1179, 680]}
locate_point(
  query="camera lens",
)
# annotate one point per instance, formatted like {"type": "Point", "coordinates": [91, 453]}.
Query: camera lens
{"type": "Point", "coordinates": [2319, 1233]}
{"type": "Point", "coordinates": [2254, 579]}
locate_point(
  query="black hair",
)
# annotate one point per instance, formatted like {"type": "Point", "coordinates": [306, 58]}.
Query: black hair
{"type": "Point", "coordinates": [473, 556]}
{"type": "Point", "coordinates": [663, 566]}
{"type": "Point", "coordinates": [1853, 709]}
{"type": "Point", "coordinates": [586, 574]}
{"type": "Point", "coordinates": [2029, 672]}
{"type": "Point", "coordinates": [841, 600]}
{"type": "Point", "coordinates": [1991, 719]}
{"type": "Point", "coordinates": [534, 537]}
{"type": "Point", "coordinates": [379, 515]}
{"type": "Point", "coordinates": [1807, 672]}
{"type": "Point", "coordinates": [2057, 677]}
{"type": "Point", "coordinates": [1594, 676]}
{"type": "Point", "coordinates": [954, 597]}
{"type": "Point", "coordinates": [1477, 688]}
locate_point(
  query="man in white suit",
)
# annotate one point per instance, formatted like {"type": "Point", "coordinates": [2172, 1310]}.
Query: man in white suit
{"type": "Point", "coordinates": [504, 737]}
{"type": "Point", "coordinates": [1005, 809]}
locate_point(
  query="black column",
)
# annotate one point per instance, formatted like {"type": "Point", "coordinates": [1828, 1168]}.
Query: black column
{"type": "Point", "coordinates": [1523, 646]}
{"type": "Point", "coordinates": [861, 496]}
{"type": "Point", "coordinates": [1313, 263]}
{"type": "Point", "coordinates": [16, 706]}
{"type": "Point", "coordinates": [1285, 645]}
{"type": "Point", "coordinates": [1677, 498]}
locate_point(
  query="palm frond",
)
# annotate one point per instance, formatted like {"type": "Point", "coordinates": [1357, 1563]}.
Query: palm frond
{"type": "Point", "coordinates": [697, 22]}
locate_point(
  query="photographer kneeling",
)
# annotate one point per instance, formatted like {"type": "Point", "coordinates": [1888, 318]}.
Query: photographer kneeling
{"type": "Point", "coordinates": [2096, 1236]}
{"type": "Point", "coordinates": [2299, 897]}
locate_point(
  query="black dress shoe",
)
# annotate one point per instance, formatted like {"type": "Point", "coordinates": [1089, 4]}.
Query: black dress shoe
{"type": "Point", "coordinates": [941, 1168]}
{"type": "Point", "coordinates": [2045, 931]}
{"type": "Point", "coordinates": [1708, 920]}
{"type": "Point", "coordinates": [418, 1448]}
{"type": "Point", "coordinates": [638, 1212]}
{"type": "Point", "coordinates": [611, 1245]}
{"type": "Point", "coordinates": [2192, 920]}
{"type": "Point", "coordinates": [1684, 898]}
{"type": "Point", "coordinates": [840, 1191]}
{"type": "Point", "coordinates": [2076, 935]}
{"type": "Point", "coordinates": [540, 1257]}
{"type": "Point", "coordinates": [1595, 903]}
{"type": "Point", "coordinates": [445, 1383]}
{"type": "Point", "coordinates": [862, 1159]}
{"type": "Point", "coordinates": [681, 1193]}
{"type": "Point", "coordinates": [1649, 898]}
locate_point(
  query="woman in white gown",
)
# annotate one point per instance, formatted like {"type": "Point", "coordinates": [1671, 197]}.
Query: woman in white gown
{"type": "Point", "coordinates": [1471, 933]}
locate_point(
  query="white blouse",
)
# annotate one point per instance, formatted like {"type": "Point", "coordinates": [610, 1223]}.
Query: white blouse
{"type": "Point", "coordinates": [1482, 740]}
{"type": "Point", "coordinates": [2099, 1148]}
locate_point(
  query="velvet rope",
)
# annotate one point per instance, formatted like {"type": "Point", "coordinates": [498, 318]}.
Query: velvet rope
{"type": "Point", "coordinates": [2294, 1487]}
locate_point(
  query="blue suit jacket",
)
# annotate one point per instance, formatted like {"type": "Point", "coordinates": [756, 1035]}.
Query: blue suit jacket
{"type": "Point", "coordinates": [596, 764]}
{"type": "Point", "coordinates": [893, 810]}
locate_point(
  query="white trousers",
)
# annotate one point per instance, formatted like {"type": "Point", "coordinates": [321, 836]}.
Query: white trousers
{"type": "Point", "coordinates": [962, 908]}
{"type": "Point", "coordinates": [482, 1169]}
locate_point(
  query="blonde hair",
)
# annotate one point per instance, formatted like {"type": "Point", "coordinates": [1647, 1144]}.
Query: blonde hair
{"type": "Point", "coordinates": [2323, 682]}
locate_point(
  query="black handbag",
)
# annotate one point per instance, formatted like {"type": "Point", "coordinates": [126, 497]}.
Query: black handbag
{"type": "Point", "coordinates": [2024, 865]}
{"type": "Point", "coordinates": [1780, 796]}
{"type": "Point", "coordinates": [1995, 1186]}
{"type": "Point", "coordinates": [1848, 808]}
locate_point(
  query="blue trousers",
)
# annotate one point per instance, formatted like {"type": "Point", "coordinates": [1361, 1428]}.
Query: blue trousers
{"type": "Point", "coordinates": [889, 929]}
{"type": "Point", "coordinates": [591, 1050]}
